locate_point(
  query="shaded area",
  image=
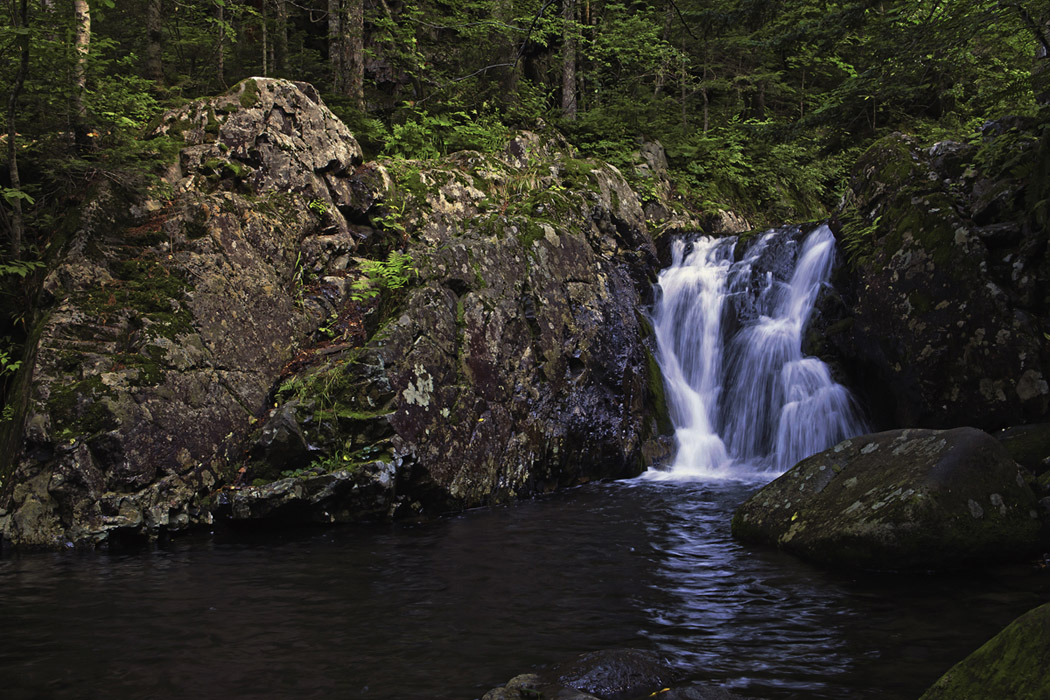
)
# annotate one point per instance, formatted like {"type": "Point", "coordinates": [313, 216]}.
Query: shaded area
{"type": "Point", "coordinates": [451, 608]}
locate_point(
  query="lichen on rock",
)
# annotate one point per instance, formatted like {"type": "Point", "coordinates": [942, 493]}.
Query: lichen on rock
{"type": "Point", "coordinates": [946, 287]}
{"type": "Point", "coordinates": [905, 500]}
{"type": "Point", "coordinates": [197, 351]}
{"type": "Point", "coordinates": [163, 323]}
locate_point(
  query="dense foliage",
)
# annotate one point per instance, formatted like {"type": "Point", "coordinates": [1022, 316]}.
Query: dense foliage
{"type": "Point", "coordinates": [761, 104]}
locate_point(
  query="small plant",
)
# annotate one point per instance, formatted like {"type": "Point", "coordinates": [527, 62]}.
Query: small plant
{"type": "Point", "coordinates": [318, 206]}
{"type": "Point", "coordinates": [7, 365]}
{"type": "Point", "coordinates": [298, 473]}
{"type": "Point", "coordinates": [328, 328]}
{"type": "Point", "coordinates": [20, 267]}
{"type": "Point", "coordinates": [392, 273]}
{"type": "Point", "coordinates": [426, 135]}
{"type": "Point", "coordinates": [392, 220]}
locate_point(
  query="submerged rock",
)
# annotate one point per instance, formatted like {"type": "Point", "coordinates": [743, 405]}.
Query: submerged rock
{"type": "Point", "coordinates": [612, 674]}
{"type": "Point", "coordinates": [615, 674]}
{"type": "Point", "coordinates": [920, 500]}
{"type": "Point", "coordinates": [1014, 664]}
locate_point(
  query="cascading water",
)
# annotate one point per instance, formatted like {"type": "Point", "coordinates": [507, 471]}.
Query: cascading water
{"type": "Point", "coordinates": [742, 396]}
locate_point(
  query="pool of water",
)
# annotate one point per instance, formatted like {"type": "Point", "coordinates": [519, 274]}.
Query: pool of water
{"type": "Point", "coordinates": [451, 608]}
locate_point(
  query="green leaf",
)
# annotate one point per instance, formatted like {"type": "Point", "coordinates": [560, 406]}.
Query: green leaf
{"type": "Point", "coordinates": [12, 195]}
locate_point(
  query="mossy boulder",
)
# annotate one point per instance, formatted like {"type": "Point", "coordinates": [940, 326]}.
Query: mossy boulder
{"type": "Point", "coordinates": [903, 500]}
{"type": "Point", "coordinates": [945, 292]}
{"type": "Point", "coordinates": [165, 318]}
{"type": "Point", "coordinates": [1013, 664]}
{"type": "Point", "coordinates": [517, 359]}
{"type": "Point", "coordinates": [233, 345]}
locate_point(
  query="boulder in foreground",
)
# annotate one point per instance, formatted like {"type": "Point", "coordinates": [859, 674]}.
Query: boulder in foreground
{"type": "Point", "coordinates": [1014, 664]}
{"type": "Point", "coordinates": [919, 500]}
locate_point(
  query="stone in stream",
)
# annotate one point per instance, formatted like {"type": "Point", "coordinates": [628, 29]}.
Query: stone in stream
{"type": "Point", "coordinates": [611, 674]}
{"type": "Point", "coordinates": [615, 674]}
{"type": "Point", "coordinates": [918, 500]}
{"type": "Point", "coordinates": [1014, 664]}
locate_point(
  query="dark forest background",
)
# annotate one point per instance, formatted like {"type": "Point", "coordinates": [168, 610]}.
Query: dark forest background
{"type": "Point", "coordinates": [763, 106]}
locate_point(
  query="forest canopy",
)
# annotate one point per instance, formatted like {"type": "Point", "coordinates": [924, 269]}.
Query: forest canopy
{"type": "Point", "coordinates": [762, 105]}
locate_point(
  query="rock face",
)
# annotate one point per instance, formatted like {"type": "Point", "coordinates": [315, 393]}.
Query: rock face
{"type": "Point", "coordinates": [240, 326]}
{"type": "Point", "coordinates": [1014, 664]}
{"type": "Point", "coordinates": [518, 360]}
{"type": "Point", "coordinates": [919, 500]}
{"type": "Point", "coordinates": [946, 297]}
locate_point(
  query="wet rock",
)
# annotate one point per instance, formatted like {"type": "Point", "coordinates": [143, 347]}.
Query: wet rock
{"type": "Point", "coordinates": [365, 492]}
{"type": "Point", "coordinates": [698, 691]}
{"type": "Point", "coordinates": [516, 360]}
{"type": "Point", "coordinates": [725, 223]}
{"type": "Point", "coordinates": [615, 674]}
{"type": "Point", "coordinates": [919, 500]}
{"type": "Point", "coordinates": [527, 685]}
{"type": "Point", "coordinates": [1013, 664]}
{"type": "Point", "coordinates": [281, 441]}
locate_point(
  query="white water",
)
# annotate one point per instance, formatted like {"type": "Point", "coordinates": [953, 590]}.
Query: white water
{"type": "Point", "coordinates": [743, 398]}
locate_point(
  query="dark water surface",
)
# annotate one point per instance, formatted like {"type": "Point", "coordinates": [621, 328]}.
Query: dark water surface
{"type": "Point", "coordinates": [451, 608]}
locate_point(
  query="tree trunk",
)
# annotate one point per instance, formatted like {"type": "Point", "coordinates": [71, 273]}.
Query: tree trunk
{"type": "Point", "coordinates": [802, 97]}
{"type": "Point", "coordinates": [82, 45]}
{"type": "Point", "coordinates": [154, 42]}
{"type": "Point", "coordinates": [707, 99]}
{"type": "Point", "coordinates": [684, 94]}
{"type": "Point", "coordinates": [265, 41]}
{"type": "Point", "coordinates": [354, 51]}
{"type": "Point", "coordinates": [280, 40]}
{"type": "Point", "coordinates": [19, 19]}
{"type": "Point", "coordinates": [503, 14]}
{"type": "Point", "coordinates": [661, 72]}
{"type": "Point", "coordinates": [335, 46]}
{"type": "Point", "coordinates": [221, 62]}
{"type": "Point", "coordinates": [568, 65]}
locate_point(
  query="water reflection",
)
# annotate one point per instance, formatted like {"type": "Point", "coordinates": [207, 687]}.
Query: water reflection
{"type": "Point", "coordinates": [451, 608]}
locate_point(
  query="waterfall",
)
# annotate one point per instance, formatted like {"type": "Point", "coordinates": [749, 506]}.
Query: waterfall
{"type": "Point", "coordinates": [742, 396]}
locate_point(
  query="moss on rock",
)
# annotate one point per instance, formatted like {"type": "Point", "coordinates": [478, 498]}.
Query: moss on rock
{"type": "Point", "coordinates": [899, 500]}
{"type": "Point", "coordinates": [1014, 664]}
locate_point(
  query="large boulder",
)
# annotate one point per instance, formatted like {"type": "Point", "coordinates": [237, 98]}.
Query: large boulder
{"type": "Point", "coordinates": [231, 343]}
{"type": "Point", "coordinates": [1014, 664]}
{"type": "Point", "coordinates": [517, 360]}
{"type": "Point", "coordinates": [945, 297]}
{"type": "Point", "coordinates": [166, 317]}
{"type": "Point", "coordinates": [918, 500]}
